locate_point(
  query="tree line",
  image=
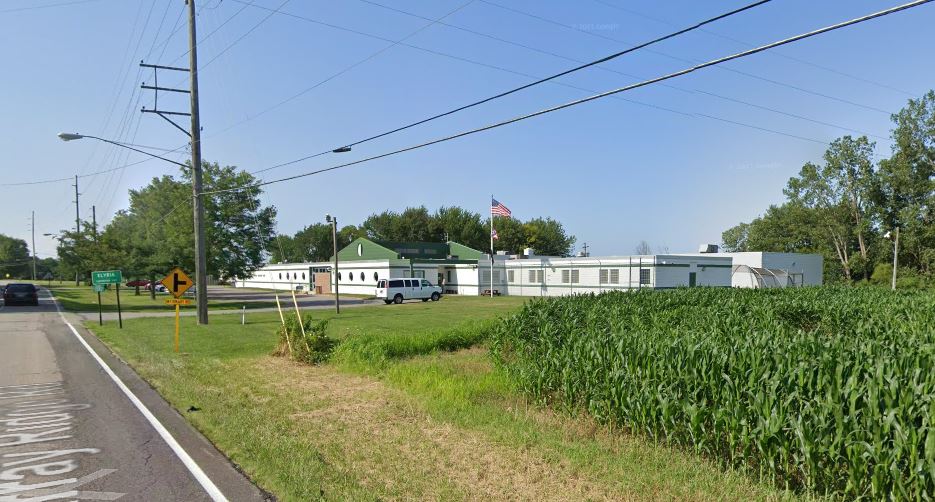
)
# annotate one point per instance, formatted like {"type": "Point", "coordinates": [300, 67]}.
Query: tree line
{"type": "Point", "coordinates": [848, 206]}
{"type": "Point", "coordinates": [313, 243]}
{"type": "Point", "coordinates": [156, 232]}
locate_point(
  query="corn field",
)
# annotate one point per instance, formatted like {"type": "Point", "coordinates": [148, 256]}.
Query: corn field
{"type": "Point", "coordinates": [830, 391]}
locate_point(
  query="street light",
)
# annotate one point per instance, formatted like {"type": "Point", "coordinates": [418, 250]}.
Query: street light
{"type": "Point", "coordinates": [71, 136]}
{"type": "Point", "coordinates": [201, 296]}
{"type": "Point", "coordinates": [334, 240]}
{"type": "Point", "coordinates": [894, 236]}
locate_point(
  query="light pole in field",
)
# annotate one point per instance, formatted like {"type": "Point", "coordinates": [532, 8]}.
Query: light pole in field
{"type": "Point", "coordinates": [895, 237]}
{"type": "Point", "coordinates": [334, 241]}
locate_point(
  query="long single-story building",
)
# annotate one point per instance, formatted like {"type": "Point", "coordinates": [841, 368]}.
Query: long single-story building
{"type": "Point", "coordinates": [462, 270]}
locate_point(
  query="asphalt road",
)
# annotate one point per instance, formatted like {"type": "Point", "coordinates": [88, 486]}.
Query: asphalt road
{"type": "Point", "coordinates": [69, 431]}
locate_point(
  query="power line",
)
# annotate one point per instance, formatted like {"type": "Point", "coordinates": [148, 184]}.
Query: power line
{"type": "Point", "coordinates": [498, 68]}
{"type": "Point", "coordinates": [345, 69]}
{"type": "Point", "coordinates": [566, 72]}
{"type": "Point", "coordinates": [775, 53]}
{"type": "Point", "coordinates": [251, 30]}
{"type": "Point", "coordinates": [528, 85]}
{"type": "Point", "coordinates": [87, 175]}
{"type": "Point", "coordinates": [788, 114]}
{"type": "Point", "coordinates": [47, 6]}
{"type": "Point", "coordinates": [684, 60]}
{"type": "Point", "coordinates": [685, 71]}
{"type": "Point", "coordinates": [215, 30]}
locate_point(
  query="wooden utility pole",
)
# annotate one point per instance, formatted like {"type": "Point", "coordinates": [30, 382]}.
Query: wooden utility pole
{"type": "Point", "coordinates": [34, 245]}
{"type": "Point", "coordinates": [201, 262]}
{"type": "Point", "coordinates": [77, 225]}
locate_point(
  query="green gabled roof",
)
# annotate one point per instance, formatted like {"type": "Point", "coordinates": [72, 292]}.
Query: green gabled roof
{"type": "Point", "coordinates": [462, 252]}
{"type": "Point", "coordinates": [365, 249]}
{"type": "Point", "coordinates": [418, 250]}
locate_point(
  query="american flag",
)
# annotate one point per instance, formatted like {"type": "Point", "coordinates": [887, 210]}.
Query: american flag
{"type": "Point", "coordinates": [493, 235]}
{"type": "Point", "coordinates": [498, 209]}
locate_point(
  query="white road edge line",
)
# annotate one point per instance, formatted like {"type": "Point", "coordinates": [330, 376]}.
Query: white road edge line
{"type": "Point", "coordinates": [180, 452]}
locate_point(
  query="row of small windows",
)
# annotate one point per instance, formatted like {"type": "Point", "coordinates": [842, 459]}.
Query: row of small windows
{"type": "Point", "coordinates": [350, 276]}
{"type": "Point", "coordinates": [294, 276]}
{"type": "Point", "coordinates": [573, 276]}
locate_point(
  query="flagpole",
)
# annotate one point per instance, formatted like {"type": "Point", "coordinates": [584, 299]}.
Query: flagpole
{"type": "Point", "coordinates": [491, 245]}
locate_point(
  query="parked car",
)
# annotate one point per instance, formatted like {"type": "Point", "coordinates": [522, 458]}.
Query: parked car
{"type": "Point", "coordinates": [160, 288]}
{"type": "Point", "coordinates": [23, 294]}
{"type": "Point", "coordinates": [139, 282]}
{"type": "Point", "coordinates": [397, 290]}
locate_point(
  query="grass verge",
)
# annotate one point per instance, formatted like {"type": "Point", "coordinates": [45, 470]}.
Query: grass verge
{"type": "Point", "coordinates": [84, 299]}
{"type": "Point", "coordinates": [399, 417]}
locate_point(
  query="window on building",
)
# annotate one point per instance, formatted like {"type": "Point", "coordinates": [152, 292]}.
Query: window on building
{"type": "Point", "coordinates": [615, 276]}
{"type": "Point", "coordinates": [350, 276]}
{"type": "Point", "coordinates": [450, 275]}
{"type": "Point", "coordinates": [540, 274]}
{"type": "Point", "coordinates": [644, 276]}
{"type": "Point", "coordinates": [574, 276]}
{"type": "Point", "coordinates": [496, 276]}
{"type": "Point", "coordinates": [361, 277]}
{"type": "Point", "coordinates": [532, 276]}
{"type": "Point", "coordinates": [339, 276]}
{"type": "Point", "coordinates": [566, 276]}
{"type": "Point", "coordinates": [303, 276]}
{"type": "Point", "coordinates": [419, 273]}
{"type": "Point", "coordinates": [376, 277]}
{"type": "Point", "coordinates": [485, 276]}
{"type": "Point", "coordinates": [602, 276]}
{"type": "Point", "coordinates": [510, 276]}
{"type": "Point", "coordinates": [280, 275]}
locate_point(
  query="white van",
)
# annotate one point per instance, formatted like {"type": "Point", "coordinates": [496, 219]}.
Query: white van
{"type": "Point", "coordinates": [397, 290]}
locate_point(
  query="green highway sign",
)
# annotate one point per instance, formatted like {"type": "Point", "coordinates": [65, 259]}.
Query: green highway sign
{"type": "Point", "coordinates": [106, 277]}
{"type": "Point", "coordinates": [100, 288]}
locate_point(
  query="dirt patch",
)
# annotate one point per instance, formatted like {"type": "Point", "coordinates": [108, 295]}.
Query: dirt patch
{"type": "Point", "coordinates": [390, 444]}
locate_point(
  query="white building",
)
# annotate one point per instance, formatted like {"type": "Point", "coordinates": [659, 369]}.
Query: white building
{"type": "Point", "coordinates": [465, 271]}
{"type": "Point", "coordinates": [552, 276]}
{"type": "Point", "coordinates": [757, 269]}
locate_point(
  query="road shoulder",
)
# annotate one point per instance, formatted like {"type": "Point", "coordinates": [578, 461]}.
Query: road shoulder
{"type": "Point", "coordinates": [227, 476]}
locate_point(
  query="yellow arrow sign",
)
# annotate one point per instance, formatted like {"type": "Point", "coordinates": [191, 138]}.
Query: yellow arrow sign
{"type": "Point", "coordinates": [177, 282]}
{"type": "Point", "coordinates": [178, 301]}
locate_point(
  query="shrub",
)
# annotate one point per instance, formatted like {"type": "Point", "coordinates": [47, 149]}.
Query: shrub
{"type": "Point", "coordinates": [314, 347]}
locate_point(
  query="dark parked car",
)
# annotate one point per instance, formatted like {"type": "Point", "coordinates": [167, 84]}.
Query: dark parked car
{"type": "Point", "coordinates": [139, 282]}
{"type": "Point", "coordinates": [23, 294]}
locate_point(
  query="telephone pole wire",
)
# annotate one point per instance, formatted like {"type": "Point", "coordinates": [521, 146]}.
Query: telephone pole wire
{"type": "Point", "coordinates": [201, 276]}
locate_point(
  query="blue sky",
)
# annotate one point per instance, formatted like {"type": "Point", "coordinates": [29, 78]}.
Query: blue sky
{"type": "Point", "coordinates": [670, 166]}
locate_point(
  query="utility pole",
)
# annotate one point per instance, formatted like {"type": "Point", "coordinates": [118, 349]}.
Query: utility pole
{"type": "Point", "coordinates": [77, 224]}
{"type": "Point", "coordinates": [34, 245]}
{"type": "Point", "coordinates": [334, 241]}
{"type": "Point", "coordinates": [585, 247]}
{"type": "Point", "coordinates": [94, 220]}
{"type": "Point", "coordinates": [201, 275]}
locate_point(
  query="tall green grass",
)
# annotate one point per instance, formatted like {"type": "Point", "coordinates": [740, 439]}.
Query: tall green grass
{"type": "Point", "coordinates": [374, 351]}
{"type": "Point", "coordinates": [827, 390]}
